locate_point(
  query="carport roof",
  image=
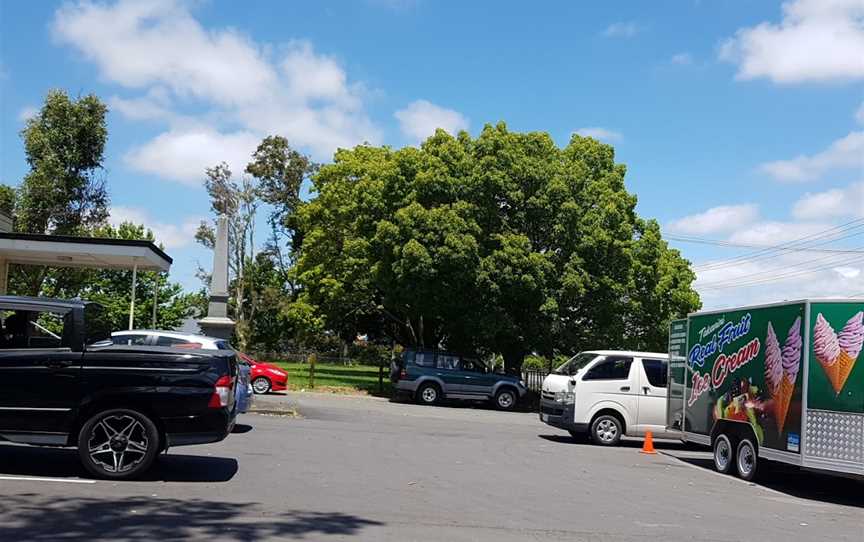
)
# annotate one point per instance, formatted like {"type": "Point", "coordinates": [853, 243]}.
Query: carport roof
{"type": "Point", "coordinates": [92, 252]}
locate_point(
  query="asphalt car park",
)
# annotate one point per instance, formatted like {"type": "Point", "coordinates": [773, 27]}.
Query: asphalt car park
{"type": "Point", "coordinates": [368, 469]}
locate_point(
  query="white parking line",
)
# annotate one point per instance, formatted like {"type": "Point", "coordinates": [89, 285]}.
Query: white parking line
{"type": "Point", "coordinates": [36, 479]}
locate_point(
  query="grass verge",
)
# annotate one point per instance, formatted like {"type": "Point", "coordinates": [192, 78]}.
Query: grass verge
{"type": "Point", "coordinates": [335, 378]}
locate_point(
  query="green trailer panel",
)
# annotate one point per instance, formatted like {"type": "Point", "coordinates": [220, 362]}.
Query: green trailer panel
{"type": "Point", "coordinates": [835, 384]}
{"type": "Point", "coordinates": [727, 377]}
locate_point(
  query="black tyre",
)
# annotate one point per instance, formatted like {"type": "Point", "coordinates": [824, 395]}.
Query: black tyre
{"type": "Point", "coordinates": [606, 430]}
{"type": "Point", "coordinates": [118, 444]}
{"type": "Point", "coordinates": [724, 454]}
{"type": "Point", "coordinates": [506, 399]}
{"type": "Point", "coordinates": [747, 460]}
{"type": "Point", "coordinates": [428, 394]}
{"type": "Point", "coordinates": [261, 385]}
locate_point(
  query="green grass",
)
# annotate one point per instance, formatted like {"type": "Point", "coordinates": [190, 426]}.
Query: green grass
{"type": "Point", "coordinates": [334, 377]}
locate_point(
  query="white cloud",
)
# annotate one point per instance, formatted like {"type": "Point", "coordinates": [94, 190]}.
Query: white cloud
{"type": "Point", "coordinates": [600, 134]}
{"type": "Point", "coordinates": [421, 118]}
{"type": "Point", "coordinates": [845, 153]}
{"type": "Point", "coordinates": [817, 40]}
{"type": "Point", "coordinates": [240, 89]}
{"type": "Point", "coordinates": [847, 272]}
{"type": "Point", "coordinates": [183, 154]}
{"type": "Point", "coordinates": [27, 113]}
{"type": "Point", "coordinates": [732, 283]}
{"type": "Point", "coordinates": [160, 43]}
{"type": "Point", "coordinates": [622, 29]}
{"type": "Point", "coordinates": [154, 106]}
{"type": "Point", "coordinates": [836, 203]}
{"type": "Point", "coordinates": [172, 236]}
{"type": "Point", "coordinates": [775, 233]}
{"type": "Point", "coordinates": [722, 219]}
{"type": "Point", "coordinates": [682, 59]}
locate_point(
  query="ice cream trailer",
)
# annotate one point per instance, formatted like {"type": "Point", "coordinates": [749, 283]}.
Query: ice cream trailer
{"type": "Point", "coordinates": [775, 382]}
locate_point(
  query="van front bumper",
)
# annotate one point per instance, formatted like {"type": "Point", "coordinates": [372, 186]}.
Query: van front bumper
{"type": "Point", "coordinates": [560, 415]}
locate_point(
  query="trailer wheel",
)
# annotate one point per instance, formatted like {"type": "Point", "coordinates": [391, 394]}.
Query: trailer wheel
{"type": "Point", "coordinates": [747, 460]}
{"type": "Point", "coordinates": [724, 454]}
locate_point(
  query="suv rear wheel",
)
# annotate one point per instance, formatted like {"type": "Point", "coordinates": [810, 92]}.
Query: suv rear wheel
{"type": "Point", "coordinates": [428, 394]}
{"type": "Point", "coordinates": [118, 444]}
{"type": "Point", "coordinates": [506, 399]}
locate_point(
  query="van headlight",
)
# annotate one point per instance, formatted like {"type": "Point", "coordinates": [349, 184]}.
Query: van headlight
{"type": "Point", "coordinates": [566, 397]}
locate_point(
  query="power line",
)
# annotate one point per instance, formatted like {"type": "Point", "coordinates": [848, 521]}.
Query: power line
{"type": "Point", "coordinates": [778, 278]}
{"type": "Point", "coordinates": [795, 245]}
{"type": "Point", "coordinates": [859, 250]}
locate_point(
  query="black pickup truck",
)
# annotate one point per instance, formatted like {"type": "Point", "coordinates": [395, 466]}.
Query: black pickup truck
{"type": "Point", "coordinates": [63, 383]}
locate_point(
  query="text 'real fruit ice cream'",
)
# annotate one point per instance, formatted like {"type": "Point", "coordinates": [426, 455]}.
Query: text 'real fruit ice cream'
{"type": "Point", "coordinates": [825, 342]}
{"type": "Point", "coordinates": [852, 335]}
{"type": "Point", "coordinates": [792, 351]}
{"type": "Point", "coordinates": [773, 361]}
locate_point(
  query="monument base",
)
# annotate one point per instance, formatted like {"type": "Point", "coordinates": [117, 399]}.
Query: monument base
{"type": "Point", "coordinates": [215, 326]}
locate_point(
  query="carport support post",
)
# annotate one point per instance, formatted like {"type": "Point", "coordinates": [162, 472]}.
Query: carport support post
{"type": "Point", "coordinates": [132, 302]}
{"type": "Point", "coordinates": [4, 277]}
{"type": "Point", "coordinates": [155, 296]}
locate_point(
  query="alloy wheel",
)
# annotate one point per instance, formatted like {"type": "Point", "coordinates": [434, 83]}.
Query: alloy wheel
{"type": "Point", "coordinates": [430, 395]}
{"type": "Point", "coordinates": [505, 399]}
{"type": "Point", "coordinates": [261, 385]}
{"type": "Point", "coordinates": [607, 430]}
{"type": "Point", "coordinates": [118, 443]}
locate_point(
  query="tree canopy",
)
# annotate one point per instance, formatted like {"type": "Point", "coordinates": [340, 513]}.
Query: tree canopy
{"type": "Point", "coordinates": [503, 243]}
{"type": "Point", "coordinates": [64, 193]}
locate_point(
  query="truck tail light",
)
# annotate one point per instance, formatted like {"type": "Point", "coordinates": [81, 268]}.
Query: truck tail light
{"type": "Point", "coordinates": [221, 392]}
{"type": "Point", "coordinates": [403, 374]}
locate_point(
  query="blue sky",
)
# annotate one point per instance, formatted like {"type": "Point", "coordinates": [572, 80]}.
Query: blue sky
{"type": "Point", "coordinates": [740, 122]}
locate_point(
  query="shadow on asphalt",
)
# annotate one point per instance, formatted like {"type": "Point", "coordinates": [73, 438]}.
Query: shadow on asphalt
{"type": "Point", "coordinates": [780, 477]}
{"type": "Point", "coordinates": [799, 483]}
{"type": "Point", "coordinates": [33, 517]}
{"type": "Point", "coordinates": [459, 404]}
{"type": "Point", "coordinates": [63, 463]}
{"type": "Point", "coordinates": [634, 443]}
{"type": "Point", "coordinates": [241, 428]}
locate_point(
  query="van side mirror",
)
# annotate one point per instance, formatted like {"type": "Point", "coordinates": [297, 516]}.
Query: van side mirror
{"type": "Point", "coordinates": [572, 381]}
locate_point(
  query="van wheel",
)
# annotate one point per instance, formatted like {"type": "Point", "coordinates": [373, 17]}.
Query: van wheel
{"type": "Point", "coordinates": [746, 460]}
{"type": "Point", "coordinates": [724, 454]}
{"type": "Point", "coordinates": [606, 430]}
{"type": "Point", "coordinates": [428, 394]}
{"type": "Point", "coordinates": [118, 444]}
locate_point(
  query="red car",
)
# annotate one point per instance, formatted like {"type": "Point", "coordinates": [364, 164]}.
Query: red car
{"type": "Point", "coordinates": [265, 377]}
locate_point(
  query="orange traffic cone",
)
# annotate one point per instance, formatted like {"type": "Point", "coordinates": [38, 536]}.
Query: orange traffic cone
{"type": "Point", "coordinates": [648, 447]}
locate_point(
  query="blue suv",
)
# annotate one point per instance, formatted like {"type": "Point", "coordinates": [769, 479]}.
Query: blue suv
{"type": "Point", "coordinates": [431, 376]}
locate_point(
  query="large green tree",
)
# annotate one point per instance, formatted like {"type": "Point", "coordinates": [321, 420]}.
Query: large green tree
{"type": "Point", "coordinates": [501, 244]}
{"type": "Point", "coordinates": [113, 289]}
{"type": "Point", "coordinates": [64, 192]}
{"type": "Point", "coordinates": [262, 284]}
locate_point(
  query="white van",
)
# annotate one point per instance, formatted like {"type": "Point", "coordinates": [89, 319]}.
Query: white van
{"type": "Point", "coordinates": [607, 394]}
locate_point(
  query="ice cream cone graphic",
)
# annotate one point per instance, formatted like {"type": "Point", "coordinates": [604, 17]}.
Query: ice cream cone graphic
{"type": "Point", "coordinates": [850, 340]}
{"type": "Point", "coordinates": [781, 402]}
{"type": "Point", "coordinates": [827, 348]}
{"type": "Point", "coordinates": [791, 356]}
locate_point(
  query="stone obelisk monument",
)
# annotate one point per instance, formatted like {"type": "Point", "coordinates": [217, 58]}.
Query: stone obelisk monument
{"type": "Point", "coordinates": [217, 324]}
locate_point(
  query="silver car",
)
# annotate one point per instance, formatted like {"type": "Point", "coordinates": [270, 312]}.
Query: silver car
{"type": "Point", "coordinates": [173, 339]}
